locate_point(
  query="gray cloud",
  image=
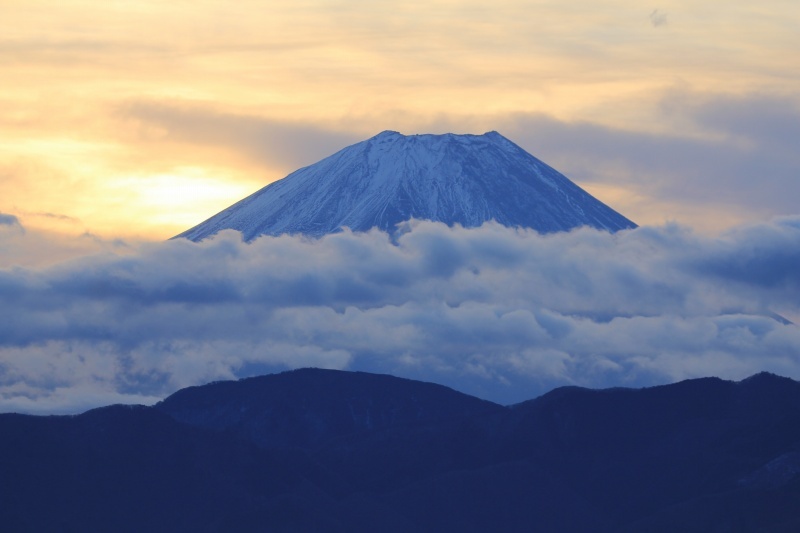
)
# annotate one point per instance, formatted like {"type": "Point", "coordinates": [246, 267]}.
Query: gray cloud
{"type": "Point", "coordinates": [9, 220]}
{"type": "Point", "coordinates": [764, 122]}
{"type": "Point", "coordinates": [501, 313]}
{"type": "Point", "coordinates": [658, 18]}
{"type": "Point", "coordinates": [763, 258]}
{"type": "Point", "coordinates": [56, 216]}
{"type": "Point", "coordinates": [289, 144]}
{"type": "Point", "coordinates": [737, 152]}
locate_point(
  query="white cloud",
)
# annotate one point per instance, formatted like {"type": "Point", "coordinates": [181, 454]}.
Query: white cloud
{"type": "Point", "coordinates": [501, 313]}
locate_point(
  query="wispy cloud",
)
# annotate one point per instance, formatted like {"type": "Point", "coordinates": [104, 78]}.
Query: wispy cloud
{"type": "Point", "coordinates": [277, 143]}
{"type": "Point", "coordinates": [501, 313]}
{"type": "Point", "coordinates": [9, 220]}
{"type": "Point", "coordinates": [56, 216]}
{"type": "Point", "coordinates": [658, 18]}
{"type": "Point", "coordinates": [717, 157]}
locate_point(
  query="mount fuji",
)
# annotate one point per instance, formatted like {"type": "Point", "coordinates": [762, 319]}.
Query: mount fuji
{"type": "Point", "coordinates": [392, 178]}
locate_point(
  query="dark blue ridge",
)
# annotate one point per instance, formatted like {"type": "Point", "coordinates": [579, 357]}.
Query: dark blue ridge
{"type": "Point", "coordinates": [334, 451]}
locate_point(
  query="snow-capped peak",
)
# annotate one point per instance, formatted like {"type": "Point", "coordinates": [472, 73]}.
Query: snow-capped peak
{"type": "Point", "coordinates": [391, 178]}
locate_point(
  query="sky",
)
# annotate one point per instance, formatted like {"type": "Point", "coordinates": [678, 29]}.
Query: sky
{"type": "Point", "coordinates": [123, 123]}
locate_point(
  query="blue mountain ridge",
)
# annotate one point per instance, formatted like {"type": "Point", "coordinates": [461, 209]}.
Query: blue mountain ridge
{"type": "Point", "coordinates": [335, 451]}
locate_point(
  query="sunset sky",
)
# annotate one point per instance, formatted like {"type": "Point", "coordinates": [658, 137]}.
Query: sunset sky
{"type": "Point", "coordinates": [139, 119]}
{"type": "Point", "coordinates": [123, 123]}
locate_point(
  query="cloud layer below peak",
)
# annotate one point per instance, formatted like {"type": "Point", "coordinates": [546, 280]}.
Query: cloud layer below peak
{"type": "Point", "coordinates": [501, 313]}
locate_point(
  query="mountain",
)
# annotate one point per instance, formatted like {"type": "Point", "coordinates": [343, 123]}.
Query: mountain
{"type": "Point", "coordinates": [333, 451]}
{"type": "Point", "coordinates": [306, 407]}
{"type": "Point", "coordinates": [391, 178]}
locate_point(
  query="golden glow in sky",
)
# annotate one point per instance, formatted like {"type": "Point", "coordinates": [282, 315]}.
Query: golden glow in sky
{"type": "Point", "coordinates": [139, 119]}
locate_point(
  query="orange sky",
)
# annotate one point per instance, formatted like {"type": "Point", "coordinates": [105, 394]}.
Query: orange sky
{"type": "Point", "coordinates": [139, 119]}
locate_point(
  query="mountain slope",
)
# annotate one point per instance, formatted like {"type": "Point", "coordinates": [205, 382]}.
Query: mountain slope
{"type": "Point", "coordinates": [391, 178]}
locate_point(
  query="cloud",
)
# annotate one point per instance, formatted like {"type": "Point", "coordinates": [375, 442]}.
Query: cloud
{"type": "Point", "coordinates": [716, 153]}
{"type": "Point", "coordinates": [274, 142]}
{"type": "Point", "coordinates": [36, 248]}
{"type": "Point", "coordinates": [10, 228]}
{"type": "Point", "coordinates": [501, 313]}
{"type": "Point", "coordinates": [10, 221]}
{"type": "Point", "coordinates": [56, 216]}
{"type": "Point", "coordinates": [658, 18]}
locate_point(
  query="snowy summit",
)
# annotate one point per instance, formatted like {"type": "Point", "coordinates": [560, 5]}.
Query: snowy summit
{"type": "Point", "coordinates": [391, 178]}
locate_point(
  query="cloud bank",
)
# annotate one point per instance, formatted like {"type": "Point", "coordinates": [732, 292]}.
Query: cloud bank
{"type": "Point", "coordinates": [723, 155]}
{"type": "Point", "coordinates": [500, 313]}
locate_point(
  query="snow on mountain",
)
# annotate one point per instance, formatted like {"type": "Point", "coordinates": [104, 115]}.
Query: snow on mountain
{"type": "Point", "coordinates": [391, 178]}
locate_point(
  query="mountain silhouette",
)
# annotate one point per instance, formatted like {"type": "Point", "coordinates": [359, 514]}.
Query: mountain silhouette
{"type": "Point", "coordinates": [324, 450]}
